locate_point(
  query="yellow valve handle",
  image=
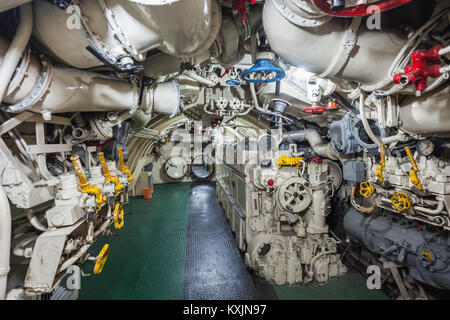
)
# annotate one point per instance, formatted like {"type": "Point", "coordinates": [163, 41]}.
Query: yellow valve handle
{"type": "Point", "coordinates": [414, 169]}
{"type": "Point", "coordinates": [366, 189]}
{"type": "Point", "coordinates": [118, 217]}
{"type": "Point", "coordinates": [101, 259]}
{"type": "Point", "coordinates": [78, 169]}
{"type": "Point", "coordinates": [101, 157]}
{"type": "Point", "coordinates": [427, 256]}
{"type": "Point", "coordinates": [401, 201]}
{"type": "Point", "coordinates": [123, 166]}
{"type": "Point", "coordinates": [84, 186]}
{"type": "Point", "coordinates": [289, 161]}
{"type": "Point", "coordinates": [379, 171]}
{"type": "Point", "coordinates": [108, 176]}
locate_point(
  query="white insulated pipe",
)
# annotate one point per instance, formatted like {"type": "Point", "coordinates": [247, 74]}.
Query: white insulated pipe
{"type": "Point", "coordinates": [16, 49]}
{"type": "Point", "coordinates": [315, 48]}
{"type": "Point", "coordinates": [8, 66]}
{"type": "Point", "coordinates": [444, 51]}
{"type": "Point", "coordinates": [35, 222]}
{"type": "Point", "coordinates": [68, 89]}
{"type": "Point", "coordinates": [5, 241]}
{"type": "Point", "coordinates": [315, 141]}
{"type": "Point", "coordinates": [198, 78]}
{"type": "Point", "coordinates": [9, 4]}
{"type": "Point", "coordinates": [428, 114]}
{"type": "Point", "coordinates": [125, 29]}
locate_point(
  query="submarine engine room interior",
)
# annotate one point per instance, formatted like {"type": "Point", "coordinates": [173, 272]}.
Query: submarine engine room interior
{"type": "Point", "coordinates": [224, 149]}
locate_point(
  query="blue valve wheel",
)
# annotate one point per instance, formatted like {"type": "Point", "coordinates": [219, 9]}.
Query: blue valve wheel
{"type": "Point", "coordinates": [233, 82]}
{"type": "Point", "coordinates": [265, 66]}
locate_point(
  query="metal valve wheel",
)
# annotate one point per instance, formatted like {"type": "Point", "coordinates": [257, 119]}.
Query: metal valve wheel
{"type": "Point", "coordinates": [294, 195]}
{"type": "Point", "coordinates": [264, 71]}
{"type": "Point", "coordinates": [101, 259]}
{"type": "Point", "coordinates": [118, 216]}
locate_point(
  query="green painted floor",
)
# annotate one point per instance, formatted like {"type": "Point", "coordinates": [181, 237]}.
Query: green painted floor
{"type": "Point", "coordinates": [352, 286]}
{"type": "Point", "coordinates": [147, 259]}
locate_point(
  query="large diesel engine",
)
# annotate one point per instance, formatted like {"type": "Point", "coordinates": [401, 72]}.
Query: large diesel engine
{"type": "Point", "coordinates": [325, 126]}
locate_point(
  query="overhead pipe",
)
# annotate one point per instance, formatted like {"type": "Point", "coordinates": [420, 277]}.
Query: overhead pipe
{"type": "Point", "coordinates": [59, 89]}
{"type": "Point", "coordinates": [40, 87]}
{"type": "Point", "coordinates": [16, 49]}
{"type": "Point", "coordinates": [125, 29]}
{"type": "Point", "coordinates": [337, 47]}
{"type": "Point", "coordinates": [10, 4]}
{"type": "Point", "coordinates": [428, 114]}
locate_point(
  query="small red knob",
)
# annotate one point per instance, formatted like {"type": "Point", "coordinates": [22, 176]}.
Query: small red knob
{"type": "Point", "coordinates": [270, 182]}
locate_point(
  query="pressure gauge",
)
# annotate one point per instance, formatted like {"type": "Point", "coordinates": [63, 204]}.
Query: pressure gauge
{"type": "Point", "coordinates": [429, 147]}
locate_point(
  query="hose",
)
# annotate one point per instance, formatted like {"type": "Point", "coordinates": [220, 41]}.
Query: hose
{"type": "Point", "coordinates": [198, 78]}
{"type": "Point", "coordinates": [365, 123]}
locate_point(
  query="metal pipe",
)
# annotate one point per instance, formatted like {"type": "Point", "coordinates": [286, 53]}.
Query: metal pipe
{"type": "Point", "coordinates": [34, 220]}
{"type": "Point", "coordinates": [444, 51]}
{"type": "Point", "coordinates": [9, 4]}
{"type": "Point", "coordinates": [17, 48]}
{"type": "Point", "coordinates": [438, 209]}
{"type": "Point", "coordinates": [198, 78]}
{"type": "Point", "coordinates": [315, 141]}
{"type": "Point", "coordinates": [5, 241]}
{"type": "Point", "coordinates": [365, 123]}
{"type": "Point", "coordinates": [74, 258]}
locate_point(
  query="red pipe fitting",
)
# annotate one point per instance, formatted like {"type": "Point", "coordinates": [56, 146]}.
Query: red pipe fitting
{"type": "Point", "coordinates": [424, 64]}
{"type": "Point", "coordinates": [360, 10]}
{"type": "Point", "coordinates": [241, 6]}
{"type": "Point", "coordinates": [317, 159]}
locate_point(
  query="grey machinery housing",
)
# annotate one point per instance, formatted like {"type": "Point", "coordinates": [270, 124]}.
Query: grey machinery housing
{"type": "Point", "coordinates": [425, 253]}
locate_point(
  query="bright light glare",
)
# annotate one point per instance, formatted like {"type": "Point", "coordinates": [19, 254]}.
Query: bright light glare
{"type": "Point", "coordinates": [299, 74]}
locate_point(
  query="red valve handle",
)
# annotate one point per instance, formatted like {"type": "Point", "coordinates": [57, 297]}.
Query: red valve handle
{"type": "Point", "coordinates": [314, 109]}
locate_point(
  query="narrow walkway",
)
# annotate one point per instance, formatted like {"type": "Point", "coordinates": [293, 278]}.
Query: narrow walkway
{"type": "Point", "coordinates": [215, 268]}
{"type": "Point", "coordinates": [178, 245]}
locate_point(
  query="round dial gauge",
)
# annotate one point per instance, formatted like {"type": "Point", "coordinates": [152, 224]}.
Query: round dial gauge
{"type": "Point", "coordinates": [426, 147]}
{"type": "Point", "coordinates": [176, 167]}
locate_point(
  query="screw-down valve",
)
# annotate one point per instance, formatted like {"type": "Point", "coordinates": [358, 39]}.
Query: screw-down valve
{"type": "Point", "coordinates": [123, 166]}
{"type": "Point", "coordinates": [108, 176]}
{"type": "Point", "coordinates": [84, 186]}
